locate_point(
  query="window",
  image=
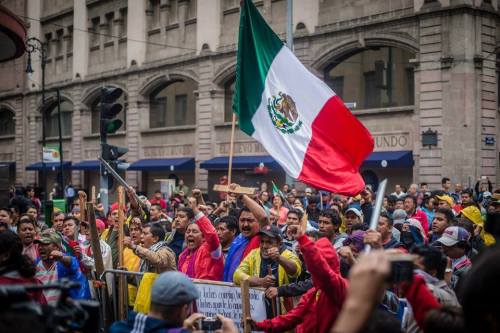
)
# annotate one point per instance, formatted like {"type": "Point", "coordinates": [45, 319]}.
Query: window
{"type": "Point", "coordinates": [52, 120]}
{"type": "Point", "coordinates": [96, 114]}
{"type": "Point", "coordinates": [373, 78]}
{"type": "Point", "coordinates": [7, 122]}
{"type": "Point", "coordinates": [228, 99]}
{"type": "Point", "coordinates": [173, 104]}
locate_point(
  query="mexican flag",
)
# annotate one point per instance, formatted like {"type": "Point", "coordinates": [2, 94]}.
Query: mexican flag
{"type": "Point", "coordinates": [298, 119]}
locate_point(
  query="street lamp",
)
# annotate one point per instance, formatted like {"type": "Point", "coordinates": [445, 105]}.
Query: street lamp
{"type": "Point", "coordinates": [33, 45]}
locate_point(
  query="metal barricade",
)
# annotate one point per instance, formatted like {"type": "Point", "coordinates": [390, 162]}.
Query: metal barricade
{"type": "Point", "coordinates": [114, 316]}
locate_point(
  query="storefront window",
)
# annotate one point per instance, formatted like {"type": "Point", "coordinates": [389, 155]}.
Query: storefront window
{"type": "Point", "coordinates": [52, 119]}
{"type": "Point", "coordinates": [378, 77]}
{"type": "Point", "coordinates": [173, 104]}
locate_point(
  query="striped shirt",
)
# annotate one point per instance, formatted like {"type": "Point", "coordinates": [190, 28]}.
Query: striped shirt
{"type": "Point", "coordinates": [47, 276]}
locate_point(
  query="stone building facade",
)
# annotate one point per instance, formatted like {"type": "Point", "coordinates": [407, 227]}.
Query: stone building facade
{"type": "Point", "coordinates": [404, 66]}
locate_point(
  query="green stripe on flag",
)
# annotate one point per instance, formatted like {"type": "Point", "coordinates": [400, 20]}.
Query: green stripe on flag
{"type": "Point", "coordinates": [258, 45]}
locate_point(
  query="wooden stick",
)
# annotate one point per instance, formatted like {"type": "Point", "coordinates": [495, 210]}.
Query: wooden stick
{"type": "Point", "coordinates": [231, 151]}
{"type": "Point", "coordinates": [273, 303]}
{"type": "Point", "coordinates": [96, 246]}
{"type": "Point", "coordinates": [82, 199]}
{"type": "Point", "coordinates": [239, 189]}
{"type": "Point", "coordinates": [122, 285]}
{"type": "Point", "coordinates": [245, 304]}
{"type": "Point", "coordinates": [92, 198]}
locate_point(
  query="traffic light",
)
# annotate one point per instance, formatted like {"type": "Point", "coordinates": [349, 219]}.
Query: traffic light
{"type": "Point", "coordinates": [110, 108]}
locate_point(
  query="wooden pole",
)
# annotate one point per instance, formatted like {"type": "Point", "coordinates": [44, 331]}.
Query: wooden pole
{"type": "Point", "coordinates": [92, 198]}
{"type": "Point", "coordinates": [94, 234]}
{"type": "Point", "coordinates": [122, 285]}
{"type": "Point", "coordinates": [231, 151]}
{"type": "Point", "coordinates": [82, 199]}
{"type": "Point", "coordinates": [273, 301]}
{"type": "Point", "coordinates": [245, 304]}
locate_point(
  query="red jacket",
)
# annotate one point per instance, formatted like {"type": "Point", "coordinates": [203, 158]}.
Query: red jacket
{"type": "Point", "coordinates": [209, 261]}
{"type": "Point", "coordinates": [421, 217]}
{"type": "Point", "coordinates": [319, 307]}
{"type": "Point", "coordinates": [421, 299]}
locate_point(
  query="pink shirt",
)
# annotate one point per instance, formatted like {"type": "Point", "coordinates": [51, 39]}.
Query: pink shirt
{"type": "Point", "coordinates": [283, 215]}
{"type": "Point", "coordinates": [421, 217]}
{"type": "Point", "coordinates": [47, 276]}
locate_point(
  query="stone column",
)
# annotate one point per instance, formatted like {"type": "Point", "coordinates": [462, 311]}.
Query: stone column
{"type": "Point", "coordinates": [133, 126]}
{"type": "Point", "coordinates": [33, 152]}
{"type": "Point", "coordinates": [77, 136]}
{"type": "Point", "coordinates": [136, 30]}
{"type": "Point", "coordinates": [208, 24]}
{"type": "Point", "coordinates": [21, 130]}
{"type": "Point", "coordinates": [182, 12]}
{"type": "Point", "coordinates": [103, 31]}
{"type": "Point", "coordinates": [80, 39]}
{"type": "Point", "coordinates": [117, 31]}
{"type": "Point", "coordinates": [205, 111]}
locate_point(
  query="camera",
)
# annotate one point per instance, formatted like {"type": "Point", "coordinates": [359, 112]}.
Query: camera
{"type": "Point", "coordinates": [210, 324]}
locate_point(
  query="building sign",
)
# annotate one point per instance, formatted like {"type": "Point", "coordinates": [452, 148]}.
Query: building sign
{"type": "Point", "coordinates": [51, 154]}
{"type": "Point", "coordinates": [244, 148]}
{"type": "Point", "coordinates": [168, 151]}
{"type": "Point", "coordinates": [392, 141]}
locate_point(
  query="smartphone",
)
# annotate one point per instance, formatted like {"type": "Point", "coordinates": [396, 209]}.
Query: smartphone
{"type": "Point", "coordinates": [401, 268]}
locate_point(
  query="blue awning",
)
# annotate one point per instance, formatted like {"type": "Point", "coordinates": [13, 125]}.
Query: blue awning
{"type": "Point", "coordinates": [87, 165]}
{"type": "Point", "coordinates": [240, 162]}
{"type": "Point", "coordinates": [164, 164]}
{"type": "Point", "coordinates": [53, 165]}
{"type": "Point", "coordinates": [394, 159]}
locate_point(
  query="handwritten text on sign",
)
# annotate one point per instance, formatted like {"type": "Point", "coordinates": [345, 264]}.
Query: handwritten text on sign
{"type": "Point", "coordinates": [225, 299]}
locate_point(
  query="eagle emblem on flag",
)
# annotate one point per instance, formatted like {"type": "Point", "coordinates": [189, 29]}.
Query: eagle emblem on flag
{"type": "Point", "coordinates": [283, 113]}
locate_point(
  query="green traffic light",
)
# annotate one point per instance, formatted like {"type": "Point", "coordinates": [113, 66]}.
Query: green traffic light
{"type": "Point", "coordinates": [113, 125]}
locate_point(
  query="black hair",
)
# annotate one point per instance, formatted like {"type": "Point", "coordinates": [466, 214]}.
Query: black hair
{"type": "Point", "coordinates": [156, 230]}
{"type": "Point", "coordinates": [444, 180]}
{"type": "Point", "coordinates": [479, 292]}
{"type": "Point", "coordinates": [189, 212]}
{"type": "Point", "coordinates": [423, 184]}
{"type": "Point", "coordinates": [157, 191]}
{"type": "Point", "coordinates": [7, 210]}
{"type": "Point", "coordinates": [446, 319]}
{"type": "Point", "coordinates": [157, 206]}
{"type": "Point", "coordinates": [58, 213]}
{"type": "Point", "coordinates": [392, 199]}
{"type": "Point", "coordinates": [359, 226]}
{"type": "Point", "coordinates": [412, 199]}
{"type": "Point", "coordinates": [425, 200]}
{"type": "Point", "coordinates": [30, 206]}
{"type": "Point", "coordinates": [67, 218]}
{"type": "Point", "coordinates": [230, 221]}
{"type": "Point", "coordinates": [297, 212]}
{"type": "Point", "coordinates": [332, 215]}
{"type": "Point", "coordinates": [25, 218]}
{"type": "Point", "coordinates": [314, 199]}
{"type": "Point", "coordinates": [29, 188]}
{"type": "Point", "coordinates": [433, 259]}
{"type": "Point", "coordinates": [11, 244]}
{"type": "Point", "coordinates": [402, 198]}
{"type": "Point", "coordinates": [243, 209]}
{"type": "Point", "coordinates": [386, 216]}
{"type": "Point", "coordinates": [468, 191]}
{"type": "Point", "coordinates": [448, 214]}
{"type": "Point", "coordinates": [466, 224]}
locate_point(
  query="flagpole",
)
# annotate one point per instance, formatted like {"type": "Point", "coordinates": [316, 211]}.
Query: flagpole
{"type": "Point", "coordinates": [231, 151]}
{"type": "Point", "coordinates": [289, 24]}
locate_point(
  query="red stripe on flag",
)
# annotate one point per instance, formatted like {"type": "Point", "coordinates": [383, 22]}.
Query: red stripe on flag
{"type": "Point", "coordinates": [338, 147]}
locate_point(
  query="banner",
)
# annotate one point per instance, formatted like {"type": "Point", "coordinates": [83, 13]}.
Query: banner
{"type": "Point", "coordinates": [51, 154]}
{"type": "Point", "coordinates": [225, 299]}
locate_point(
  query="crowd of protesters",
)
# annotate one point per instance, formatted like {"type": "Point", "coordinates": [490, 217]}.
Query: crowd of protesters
{"type": "Point", "coordinates": [307, 250]}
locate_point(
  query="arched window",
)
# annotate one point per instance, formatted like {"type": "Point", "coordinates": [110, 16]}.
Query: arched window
{"type": "Point", "coordinates": [96, 114]}
{"type": "Point", "coordinates": [173, 104]}
{"type": "Point", "coordinates": [7, 122]}
{"type": "Point", "coordinates": [52, 120]}
{"type": "Point", "coordinates": [373, 78]}
{"type": "Point", "coordinates": [228, 99]}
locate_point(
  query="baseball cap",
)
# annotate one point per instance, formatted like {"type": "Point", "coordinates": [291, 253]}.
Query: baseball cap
{"type": "Point", "coordinates": [271, 231]}
{"type": "Point", "coordinates": [487, 194]}
{"type": "Point", "coordinates": [50, 237]}
{"type": "Point", "coordinates": [453, 235]}
{"type": "Point", "coordinates": [446, 198]}
{"type": "Point", "coordinates": [173, 288]}
{"type": "Point", "coordinates": [99, 224]}
{"type": "Point", "coordinates": [399, 216]}
{"type": "Point", "coordinates": [355, 211]}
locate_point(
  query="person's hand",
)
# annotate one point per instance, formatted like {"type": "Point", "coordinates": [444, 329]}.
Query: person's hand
{"type": "Point", "coordinates": [366, 286]}
{"type": "Point", "coordinates": [346, 252]}
{"type": "Point", "coordinates": [296, 231]}
{"type": "Point", "coordinates": [272, 292]}
{"type": "Point", "coordinates": [252, 323]}
{"type": "Point", "coordinates": [222, 208]}
{"type": "Point", "coordinates": [268, 281]}
{"type": "Point", "coordinates": [477, 230]}
{"type": "Point", "coordinates": [196, 193]}
{"type": "Point", "coordinates": [274, 254]}
{"type": "Point", "coordinates": [228, 326]}
{"type": "Point", "coordinates": [191, 322]}
{"type": "Point", "coordinates": [83, 195]}
{"type": "Point", "coordinates": [127, 241]}
{"type": "Point", "coordinates": [373, 238]}
{"type": "Point", "coordinates": [56, 255]}
{"type": "Point", "coordinates": [78, 251]}
{"type": "Point", "coordinates": [193, 204]}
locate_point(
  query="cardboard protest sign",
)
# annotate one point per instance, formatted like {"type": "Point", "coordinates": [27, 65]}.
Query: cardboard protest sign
{"type": "Point", "coordinates": [225, 299]}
